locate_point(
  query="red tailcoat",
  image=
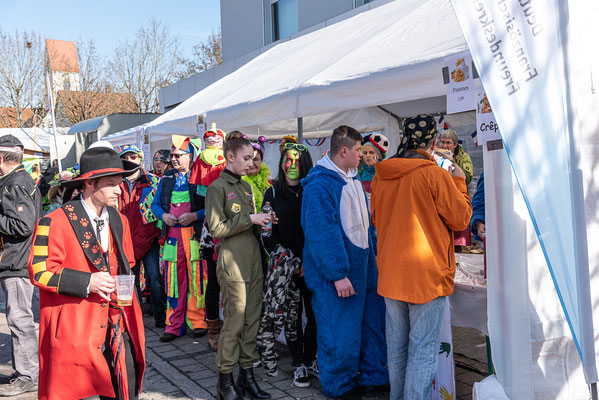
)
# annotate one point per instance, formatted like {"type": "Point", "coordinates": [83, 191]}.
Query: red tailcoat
{"type": "Point", "coordinates": [73, 324]}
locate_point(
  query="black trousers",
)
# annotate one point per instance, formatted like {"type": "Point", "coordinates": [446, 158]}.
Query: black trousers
{"type": "Point", "coordinates": [303, 350]}
{"type": "Point", "coordinates": [131, 369]}
{"type": "Point", "coordinates": [212, 288]}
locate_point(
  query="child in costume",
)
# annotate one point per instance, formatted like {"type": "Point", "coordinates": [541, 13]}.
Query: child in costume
{"type": "Point", "coordinates": [259, 174]}
{"type": "Point", "coordinates": [231, 217]}
{"type": "Point", "coordinates": [340, 270]}
{"type": "Point", "coordinates": [286, 294]}
{"type": "Point", "coordinates": [179, 207]}
{"type": "Point", "coordinates": [207, 168]}
{"type": "Point", "coordinates": [374, 150]}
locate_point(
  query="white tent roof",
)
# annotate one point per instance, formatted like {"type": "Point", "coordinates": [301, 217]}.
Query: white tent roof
{"type": "Point", "coordinates": [393, 53]}
{"type": "Point", "coordinates": [37, 139]}
{"type": "Point", "coordinates": [127, 136]}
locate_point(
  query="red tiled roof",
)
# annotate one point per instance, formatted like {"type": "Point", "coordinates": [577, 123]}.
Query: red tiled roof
{"type": "Point", "coordinates": [62, 55]}
{"type": "Point", "coordinates": [8, 117]}
{"type": "Point", "coordinates": [79, 106]}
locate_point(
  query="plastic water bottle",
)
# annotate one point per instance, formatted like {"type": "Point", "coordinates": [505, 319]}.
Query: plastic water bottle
{"type": "Point", "coordinates": [267, 229]}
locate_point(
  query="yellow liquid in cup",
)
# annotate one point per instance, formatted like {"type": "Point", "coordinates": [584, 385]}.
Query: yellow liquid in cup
{"type": "Point", "coordinates": [124, 302]}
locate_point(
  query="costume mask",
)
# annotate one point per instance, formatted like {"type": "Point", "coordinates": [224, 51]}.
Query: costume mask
{"type": "Point", "coordinates": [292, 164]}
{"type": "Point", "coordinates": [370, 155]}
{"type": "Point", "coordinates": [214, 142]}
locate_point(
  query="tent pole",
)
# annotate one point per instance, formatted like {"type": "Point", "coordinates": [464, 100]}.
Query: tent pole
{"type": "Point", "coordinates": [300, 130]}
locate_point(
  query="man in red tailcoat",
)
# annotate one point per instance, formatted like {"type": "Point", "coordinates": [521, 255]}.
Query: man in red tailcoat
{"type": "Point", "coordinates": [89, 345]}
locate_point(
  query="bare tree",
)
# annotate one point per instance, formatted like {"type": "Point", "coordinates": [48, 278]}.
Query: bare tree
{"type": "Point", "coordinates": [92, 97]}
{"type": "Point", "coordinates": [21, 78]}
{"type": "Point", "coordinates": [206, 55]}
{"type": "Point", "coordinates": [146, 63]}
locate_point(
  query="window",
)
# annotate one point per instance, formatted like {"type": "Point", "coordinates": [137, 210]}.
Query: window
{"type": "Point", "coordinates": [358, 3]}
{"type": "Point", "coordinates": [284, 18]}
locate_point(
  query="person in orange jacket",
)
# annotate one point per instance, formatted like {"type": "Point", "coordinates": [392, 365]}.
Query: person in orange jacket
{"type": "Point", "coordinates": [416, 206]}
{"type": "Point", "coordinates": [89, 344]}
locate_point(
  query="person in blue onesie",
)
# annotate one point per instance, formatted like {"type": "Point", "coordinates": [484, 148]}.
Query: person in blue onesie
{"type": "Point", "coordinates": [340, 270]}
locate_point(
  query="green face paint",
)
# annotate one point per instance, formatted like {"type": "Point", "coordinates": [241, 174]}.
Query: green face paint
{"type": "Point", "coordinates": [291, 167]}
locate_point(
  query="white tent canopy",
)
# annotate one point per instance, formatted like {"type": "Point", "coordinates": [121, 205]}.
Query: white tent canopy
{"type": "Point", "coordinates": [37, 139]}
{"type": "Point", "coordinates": [128, 136]}
{"type": "Point", "coordinates": [391, 54]}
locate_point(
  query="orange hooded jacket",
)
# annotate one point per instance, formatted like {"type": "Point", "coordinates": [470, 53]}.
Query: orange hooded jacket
{"type": "Point", "coordinates": [416, 206]}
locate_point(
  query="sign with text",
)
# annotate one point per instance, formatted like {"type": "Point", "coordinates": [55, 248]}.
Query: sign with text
{"type": "Point", "coordinates": [460, 89]}
{"type": "Point", "coordinates": [518, 50]}
{"type": "Point", "coordinates": [486, 125]}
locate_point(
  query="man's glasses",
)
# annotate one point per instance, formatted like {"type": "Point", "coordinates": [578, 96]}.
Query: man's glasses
{"type": "Point", "coordinates": [299, 147]}
{"type": "Point", "coordinates": [177, 156]}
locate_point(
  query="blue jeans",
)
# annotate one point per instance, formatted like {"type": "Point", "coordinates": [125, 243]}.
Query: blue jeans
{"type": "Point", "coordinates": [155, 282]}
{"type": "Point", "coordinates": [413, 340]}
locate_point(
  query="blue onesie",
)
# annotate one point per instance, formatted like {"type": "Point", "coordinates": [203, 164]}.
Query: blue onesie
{"type": "Point", "coordinates": [340, 242]}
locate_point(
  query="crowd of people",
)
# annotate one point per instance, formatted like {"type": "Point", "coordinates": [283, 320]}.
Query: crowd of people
{"type": "Point", "coordinates": [352, 258]}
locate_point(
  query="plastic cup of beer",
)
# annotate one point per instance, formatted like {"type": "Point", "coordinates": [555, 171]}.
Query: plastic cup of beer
{"type": "Point", "coordinates": [124, 289]}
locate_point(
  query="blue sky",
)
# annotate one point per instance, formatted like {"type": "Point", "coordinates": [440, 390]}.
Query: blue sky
{"type": "Point", "coordinates": [111, 21]}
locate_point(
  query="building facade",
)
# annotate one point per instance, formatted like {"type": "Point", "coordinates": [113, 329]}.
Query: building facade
{"type": "Point", "coordinates": [251, 27]}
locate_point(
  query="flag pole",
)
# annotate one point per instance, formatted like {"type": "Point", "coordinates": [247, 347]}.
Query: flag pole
{"type": "Point", "coordinates": [51, 104]}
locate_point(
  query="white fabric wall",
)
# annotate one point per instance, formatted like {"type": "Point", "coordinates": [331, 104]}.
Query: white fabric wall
{"type": "Point", "coordinates": [533, 351]}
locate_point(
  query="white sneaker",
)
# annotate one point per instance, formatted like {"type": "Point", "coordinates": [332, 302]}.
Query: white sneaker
{"type": "Point", "coordinates": [313, 368]}
{"type": "Point", "coordinates": [300, 377]}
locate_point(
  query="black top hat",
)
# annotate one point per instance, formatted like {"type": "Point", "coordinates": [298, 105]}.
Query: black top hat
{"type": "Point", "coordinates": [97, 163]}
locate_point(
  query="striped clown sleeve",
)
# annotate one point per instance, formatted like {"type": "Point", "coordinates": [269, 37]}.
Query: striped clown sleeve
{"type": "Point", "coordinates": [54, 278]}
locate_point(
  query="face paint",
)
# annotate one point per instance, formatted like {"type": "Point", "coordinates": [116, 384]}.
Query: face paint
{"type": "Point", "coordinates": [291, 167]}
{"type": "Point", "coordinates": [369, 155]}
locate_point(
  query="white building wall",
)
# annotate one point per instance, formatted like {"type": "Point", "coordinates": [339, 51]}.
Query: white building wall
{"type": "Point", "coordinates": [64, 81]}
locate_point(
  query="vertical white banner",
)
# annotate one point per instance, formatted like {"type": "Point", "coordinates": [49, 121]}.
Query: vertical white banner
{"type": "Point", "coordinates": [518, 51]}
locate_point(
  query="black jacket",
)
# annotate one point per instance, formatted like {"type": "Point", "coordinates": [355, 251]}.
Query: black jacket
{"type": "Point", "coordinates": [20, 208]}
{"type": "Point", "coordinates": [287, 205]}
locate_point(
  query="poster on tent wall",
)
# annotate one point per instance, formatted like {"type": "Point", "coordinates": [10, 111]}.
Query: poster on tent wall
{"type": "Point", "coordinates": [518, 51]}
{"type": "Point", "coordinates": [147, 150]}
{"type": "Point", "coordinates": [460, 86]}
{"type": "Point", "coordinates": [486, 125]}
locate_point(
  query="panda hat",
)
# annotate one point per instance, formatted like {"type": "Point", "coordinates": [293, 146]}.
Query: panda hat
{"type": "Point", "coordinates": [378, 141]}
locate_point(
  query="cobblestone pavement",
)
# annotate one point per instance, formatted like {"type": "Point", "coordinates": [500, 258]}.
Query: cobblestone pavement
{"type": "Point", "coordinates": [185, 369]}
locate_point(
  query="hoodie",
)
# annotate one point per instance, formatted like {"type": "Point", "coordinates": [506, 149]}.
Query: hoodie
{"type": "Point", "coordinates": [352, 207]}
{"type": "Point", "coordinates": [416, 206]}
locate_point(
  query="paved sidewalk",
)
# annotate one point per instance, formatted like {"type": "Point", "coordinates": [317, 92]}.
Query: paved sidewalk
{"type": "Point", "coordinates": [185, 369]}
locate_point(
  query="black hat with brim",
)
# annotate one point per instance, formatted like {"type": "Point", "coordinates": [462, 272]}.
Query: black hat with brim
{"type": "Point", "coordinates": [100, 162]}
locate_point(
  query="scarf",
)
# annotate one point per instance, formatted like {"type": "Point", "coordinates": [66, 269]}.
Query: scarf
{"type": "Point", "coordinates": [259, 182]}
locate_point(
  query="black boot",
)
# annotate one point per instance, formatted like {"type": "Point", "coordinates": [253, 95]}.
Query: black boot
{"type": "Point", "coordinates": [226, 389]}
{"type": "Point", "coordinates": [247, 381]}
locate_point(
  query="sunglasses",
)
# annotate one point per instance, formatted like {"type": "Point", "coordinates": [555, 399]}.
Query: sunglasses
{"type": "Point", "coordinates": [129, 156]}
{"type": "Point", "coordinates": [298, 147]}
{"type": "Point", "coordinates": [178, 155]}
